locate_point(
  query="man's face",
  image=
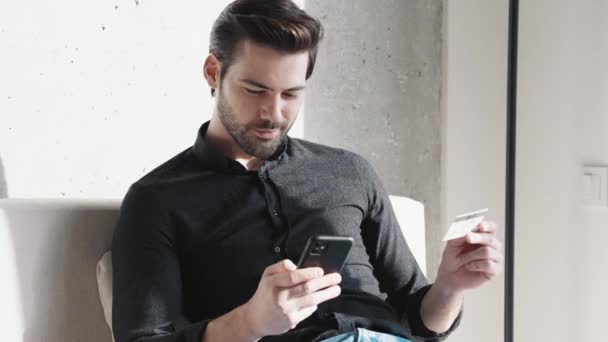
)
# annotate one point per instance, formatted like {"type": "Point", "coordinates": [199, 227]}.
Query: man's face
{"type": "Point", "coordinates": [260, 96]}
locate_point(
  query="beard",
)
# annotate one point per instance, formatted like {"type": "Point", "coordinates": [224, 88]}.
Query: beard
{"type": "Point", "coordinates": [244, 134]}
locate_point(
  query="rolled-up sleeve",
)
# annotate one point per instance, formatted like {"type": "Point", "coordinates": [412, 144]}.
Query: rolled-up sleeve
{"type": "Point", "coordinates": [147, 287]}
{"type": "Point", "coordinates": [395, 266]}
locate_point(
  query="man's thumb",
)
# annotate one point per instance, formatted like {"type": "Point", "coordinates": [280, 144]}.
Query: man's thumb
{"type": "Point", "coordinates": [285, 265]}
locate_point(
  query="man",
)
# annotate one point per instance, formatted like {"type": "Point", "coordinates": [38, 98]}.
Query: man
{"type": "Point", "coordinates": [213, 232]}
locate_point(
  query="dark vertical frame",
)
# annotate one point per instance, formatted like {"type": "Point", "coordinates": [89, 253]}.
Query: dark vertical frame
{"type": "Point", "coordinates": [510, 172]}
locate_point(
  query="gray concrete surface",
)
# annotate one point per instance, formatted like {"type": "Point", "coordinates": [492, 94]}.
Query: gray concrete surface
{"type": "Point", "coordinates": [376, 90]}
{"type": "Point", "coordinates": [3, 186]}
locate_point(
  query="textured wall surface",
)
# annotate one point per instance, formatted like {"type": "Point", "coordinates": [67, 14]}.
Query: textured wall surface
{"type": "Point", "coordinates": [376, 90]}
{"type": "Point", "coordinates": [93, 96]}
{"type": "Point", "coordinates": [3, 187]}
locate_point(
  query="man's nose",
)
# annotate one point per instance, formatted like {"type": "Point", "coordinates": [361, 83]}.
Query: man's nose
{"type": "Point", "coordinates": [271, 109]}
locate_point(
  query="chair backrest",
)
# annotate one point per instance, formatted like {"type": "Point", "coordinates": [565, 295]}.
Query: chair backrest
{"type": "Point", "coordinates": [410, 215]}
{"type": "Point", "coordinates": [49, 251]}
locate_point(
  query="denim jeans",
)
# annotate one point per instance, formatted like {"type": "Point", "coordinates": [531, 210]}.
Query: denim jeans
{"type": "Point", "coordinates": [364, 335]}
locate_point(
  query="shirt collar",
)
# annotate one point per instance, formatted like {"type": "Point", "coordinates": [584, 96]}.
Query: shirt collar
{"type": "Point", "coordinates": [212, 158]}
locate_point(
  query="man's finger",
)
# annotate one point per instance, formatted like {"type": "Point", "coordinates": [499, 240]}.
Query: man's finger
{"type": "Point", "coordinates": [486, 239]}
{"type": "Point", "coordinates": [315, 285]}
{"type": "Point", "coordinates": [483, 227]}
{"type": "Point", "coordinates": [480, 254]}
{"type": "Point", "coordinates": [487, 227]}
{"type": "Point", "coordinates": [489, 268]}
{"type": "Point", "coordinates": [317, 298]}
{"type": "Point", "coordinates": [285, 265]}
{"type": "Point", "coordinates": [296, 277]}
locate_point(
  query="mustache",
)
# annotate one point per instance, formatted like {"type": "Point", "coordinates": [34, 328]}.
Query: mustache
{"type": "Point", "coordinates": [265, 125]}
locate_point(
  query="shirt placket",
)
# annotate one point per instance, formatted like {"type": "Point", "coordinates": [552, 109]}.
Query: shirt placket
{"type": "Point", "coordinates": [274, 210]}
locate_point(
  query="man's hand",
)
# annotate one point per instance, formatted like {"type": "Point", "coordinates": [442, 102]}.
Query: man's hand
{"type": "Point", "coordinates": [472, 260]}
{"type": "Point", "coordinates": [287, 295]}
{"type": "Point", "coordinates": [467, 263]}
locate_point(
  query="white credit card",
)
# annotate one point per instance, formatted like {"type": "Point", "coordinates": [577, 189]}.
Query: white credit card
{"type": "Point", "coordinates": [465, 223]}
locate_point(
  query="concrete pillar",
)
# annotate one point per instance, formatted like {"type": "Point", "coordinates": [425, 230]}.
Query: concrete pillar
{"type": "Point", "coordinates": [376, 90]}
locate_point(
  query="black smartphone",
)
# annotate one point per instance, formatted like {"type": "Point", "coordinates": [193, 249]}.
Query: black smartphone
{"type": "Point", "coordinates": [327, 252]}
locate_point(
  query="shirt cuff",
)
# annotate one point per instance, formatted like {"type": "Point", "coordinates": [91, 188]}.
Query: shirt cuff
{"type": "Point", "coordinates": [419, 329]}
{"type": "Point", "coordinates": [193, 332]}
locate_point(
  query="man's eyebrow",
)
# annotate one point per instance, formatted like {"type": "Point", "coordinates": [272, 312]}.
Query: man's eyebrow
{"type": "Point", "coordinates": [260, 85]}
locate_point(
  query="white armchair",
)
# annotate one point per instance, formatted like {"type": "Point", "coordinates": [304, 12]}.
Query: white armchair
{"type": "Point", "coordinates": [51, 260]}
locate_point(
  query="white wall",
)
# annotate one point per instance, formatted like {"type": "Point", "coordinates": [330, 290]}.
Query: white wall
{"type": "Point", "coordinates": [590, 275]}
{"type": "Point", "coordinates": [95, 95]}
{"type": "Point", "coordinates": [475, 134]}
{"type": "Point", "coordinates": [561, 259]}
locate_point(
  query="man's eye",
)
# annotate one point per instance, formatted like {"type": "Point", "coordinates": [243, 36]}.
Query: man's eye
{"type": "Point", "coordinates": [257, 92]}
{"type": "Point", "coordinates": [289, 95]}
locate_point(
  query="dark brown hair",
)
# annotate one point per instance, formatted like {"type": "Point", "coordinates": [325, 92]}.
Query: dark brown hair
{"type": "Point", "coordinates": [279, 24]}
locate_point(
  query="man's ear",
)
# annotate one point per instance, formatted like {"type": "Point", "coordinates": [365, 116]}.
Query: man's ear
{"type": "Point", "coordinates": [211, 70]}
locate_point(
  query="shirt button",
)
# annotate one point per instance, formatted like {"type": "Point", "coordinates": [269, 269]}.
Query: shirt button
{"type": "Point", "coordinates": [277, 249]}
{"type": "Point", "coordinates": [275, 213]}
{"type": "Point", "coordinates": [280, 157]}
{"type": "Point", "coordinates": [323, 315]}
